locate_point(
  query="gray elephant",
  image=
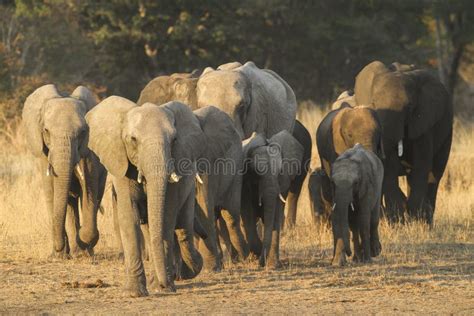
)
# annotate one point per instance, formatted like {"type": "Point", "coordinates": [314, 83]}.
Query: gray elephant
{"type": "Point", "coordinates": [320, 196]}
{"type": "Point", "coordinates": [271, 166]}
{"type": "Point", "coordinates": [416, 115]}
{"type": "Point", "coordinates": [257, 100]}
{"type": "Point", "coordinates": [219, 188]}
{"type": "Point", "coordinates": [156, 146]}
{"type": "Point", "coordinates": [357, 177]}
{"type": "Point", "coordinates": [57, 134]}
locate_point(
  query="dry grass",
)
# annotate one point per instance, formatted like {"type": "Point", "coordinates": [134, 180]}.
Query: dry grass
{"type": "Point", "coordinates": [420, 269]}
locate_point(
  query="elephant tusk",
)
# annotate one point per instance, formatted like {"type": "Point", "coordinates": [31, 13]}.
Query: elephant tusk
{"type": "Point", "coordinates": [49, 170]}
{"type": "Point", "coordinates": [282, 198]}
{"type": "Point", "coordinates": [259, 201]}
{"type": "Point", "coordinates": [139, 177]}
{"type": "Point", "coordinates": [400, 148]}
{"type": "Point", "coordinates": [174, 178]}
{"type": "Point", "coordinates": [198, 178]}
{"type": "Point", "coordinates": [79, 172]}
{"type": "Point", "coordinates": [352, 207]}
{"type": "Point", "coordinates": [333, 207]}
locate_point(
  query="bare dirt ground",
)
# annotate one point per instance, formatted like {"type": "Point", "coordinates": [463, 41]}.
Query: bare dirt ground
{"type": "Point", "coordinates": [420, 270]}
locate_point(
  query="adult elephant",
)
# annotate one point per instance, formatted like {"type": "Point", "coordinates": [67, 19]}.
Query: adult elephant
{"type": "Point", "coordinates": [258, 100]}
{"type": "Point", "coordinates": [156, 146]}
{"type": "Point", "coordinates": [272, 164]}
{"type": "Point", "coordinates": [301, 134]}
{"type": "Point", "coordinates": [57, 134]}
{"type": "Point", "coordinates": [340, 130]}
{"type": "Point", "coordinates": [219, 187]}
{"type": "Point", "coordinates": [416, 114]}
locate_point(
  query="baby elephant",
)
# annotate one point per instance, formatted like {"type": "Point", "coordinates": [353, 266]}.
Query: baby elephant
{"type": "Point", "coordinates": [357, 177]}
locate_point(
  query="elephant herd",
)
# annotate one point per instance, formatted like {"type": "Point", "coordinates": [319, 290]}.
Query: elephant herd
{"type": "Point", "coordinates": [202, 158]}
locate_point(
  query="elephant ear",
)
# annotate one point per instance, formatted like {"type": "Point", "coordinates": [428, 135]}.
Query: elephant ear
{"type": "Point", "coordinates": [32, 116]}
{"type": "Point", "coordinates": [89, 98]}
{"type": "Point", "coordinates": [219, 131]}
{"type": "Point", "coordinates": [364, 81]}
{"type": "Point", "coordinates": [291, 153]}
{"type": "Point", "coordinates": [190, 140]}
{"type": "Point", "coordinates": [430, 106]}
{"type": "Point", "coordinates": [339, 144]}
{"type": "Point", "coordinates": [105, 122]}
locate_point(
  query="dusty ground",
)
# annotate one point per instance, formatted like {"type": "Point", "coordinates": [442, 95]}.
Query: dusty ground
{"type": "Point", "coordinates": [429, 277]}
{"type": "Point", "coordinates": [420, 270]}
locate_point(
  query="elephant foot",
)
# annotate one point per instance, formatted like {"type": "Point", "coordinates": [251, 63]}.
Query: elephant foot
{"type": "Point", "coordinates": [339, 260]}
{"type": "Point", "coordinates": [61, 255]}
{"type": "Point", "coordinates": [274, 265]}
{"type": "Point", "coordinates": [136, 287]}
{"type": "Point", "coordinates": [77, 252]}
{"type": "Point", "coordinates": [156, 286]}
{"type": "Point", "coordinates": [375, 248]}
{"type": "Point", "coordinates": [212, 266]}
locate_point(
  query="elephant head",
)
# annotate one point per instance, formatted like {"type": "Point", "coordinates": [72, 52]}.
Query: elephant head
{"type": "Point", "coordinates": [232, 92]}
{"type": "Point", "coordinates": [176, 87]}
{"type": "Point", "coordinates": [56, 130]}
{"type": "Point", "coordinates": [156, 145]}
{"type": "Point", "coordinates": [271, 165]}
{"type": "Point", "coordinates": [357, 125]}
{"type": "Point", "coordinates": [408, 101]}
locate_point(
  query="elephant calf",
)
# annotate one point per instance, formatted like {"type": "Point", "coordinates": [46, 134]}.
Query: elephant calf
{"type": "Point", "coordinates": [57, 135]}
{"type": "Point", "coordinates": [357, 176]}
{"type": "Point", "coordinates": [271, 165]}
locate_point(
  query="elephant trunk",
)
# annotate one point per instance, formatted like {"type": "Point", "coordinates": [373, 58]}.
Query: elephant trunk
{"type": "Point", "coordinates": [88, 234]}
{"type": "Point", "coordinates": [156, 176]}
{"type": "Point", "coordinates": [62, 164]}
{"type": "Point", "coordinates": [340, 225]}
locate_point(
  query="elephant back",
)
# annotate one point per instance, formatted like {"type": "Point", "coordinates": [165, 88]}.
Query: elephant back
{"type": "Point", "coordinates": [274, 97]}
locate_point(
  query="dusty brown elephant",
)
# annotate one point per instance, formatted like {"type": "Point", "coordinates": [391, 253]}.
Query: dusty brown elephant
{"type": "Point", "coordinates": [57, 134]}
{"type": "Point", "coordinates": [416, 114]}
{"type": "Point", "coordinates": [340, 130]}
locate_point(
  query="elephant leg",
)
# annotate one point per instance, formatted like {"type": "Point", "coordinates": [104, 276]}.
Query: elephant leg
{"type": "Point", "coordinates": [129, 234]}
{"type": "Point", "coordinates": [418, 177]}
{"type": "Point", "coordinates": [364, 232]}
{"type": "Point", "coordinates": [118, 239]}
{"type": "Point", "coordinates": [231, 217]}
{"type": "Point", "coordinates": [429, 204]}
{"type": "Point", "coordinates": [320, 198]}
{"type": "Point", "coordinates": [354, 227]}
{"type": "Point", "coordinates": [375, 245]}
{"type": "Point", "coordinates": [291, 202]}
{"type": "Point", "coordinates": [192, 260]}
{"type": "Point", "coordinates": [224, 233]}
{"type": "Point", "coordinates": [273, 259]}
{"type": "Point", "coordinates": [395, 200]}
{"type": "Point", "coordinates": [205, 213]}
{"type": "Point", "coordinates": [145, 241]}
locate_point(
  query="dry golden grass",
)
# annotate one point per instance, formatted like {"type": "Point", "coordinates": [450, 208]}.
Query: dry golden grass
{"type": "Point", "coordinates": [420, 269]}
